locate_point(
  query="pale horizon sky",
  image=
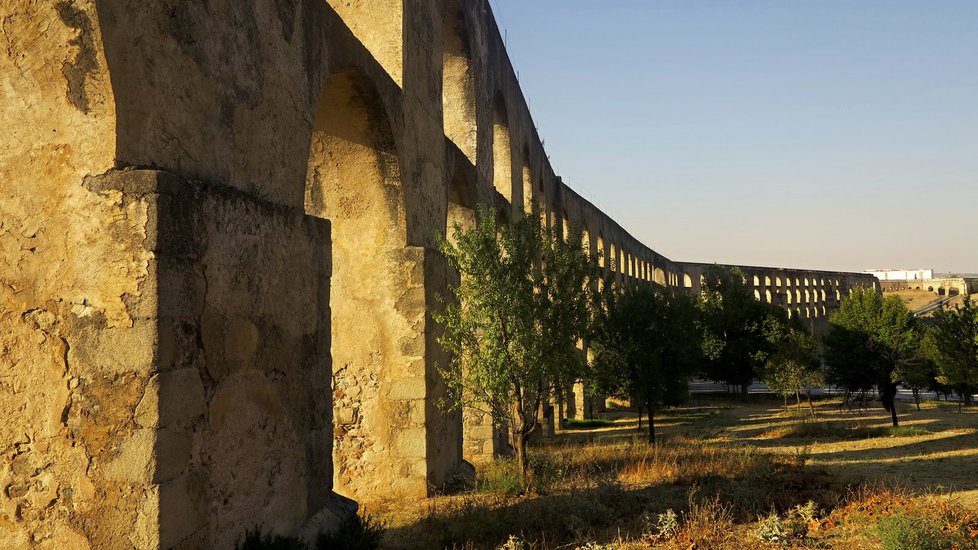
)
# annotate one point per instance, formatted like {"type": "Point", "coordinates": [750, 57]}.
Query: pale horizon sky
{"type": "Point", "coordinates": [833, 135]}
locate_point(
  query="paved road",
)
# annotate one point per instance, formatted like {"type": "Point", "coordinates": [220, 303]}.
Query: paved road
{"type": "Point", "coordinates": [699, 386]}
{"type": "Point", "coordinates": [931, 307]}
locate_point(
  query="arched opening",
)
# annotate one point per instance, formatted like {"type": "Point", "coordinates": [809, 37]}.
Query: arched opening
{"type": "Point", "coordinates": [757, 295]}
{"type": "Point", "coordinates": [687, 281]}
{"type": "Point", "coordinates": [379, 26]}
{"type": "Point", "coordinates": [614, 258]}
{"type": "Point", "coordinates": [788, 297]}
{"type": "Point", "coordinates": [940, 291]}
{"type": "Point", "coordinates": [953, 292]}
{"type": "Point", "coordinates": [930, 289]}
{"type": "Point", "coordinates": [353, 180]}
{"type": "Point", "coordinates": [458, 83]}
{"type": "Point", "coordinates": [767, 296]}
{"type": "Point", "coordinates": [757, 281]}
{"type": "Point", "coordinates": [777, 281]}
{"type": "Point", "coordinates": [586, 241]}
{"type": "Point", "coordinates": [527, 184]}
{"type": "Point", "coordinates": [602, 253]}
{"type": "Point", "coordinates": [767, 281]}
{"type": "Point", "coordinates": [502, 164]}
{"type": "Point", "coordinates": [660, 276]}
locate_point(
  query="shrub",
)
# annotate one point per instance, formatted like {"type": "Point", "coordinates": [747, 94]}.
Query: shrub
{"type": "Point", "coordinates": [914, 532]}
{"type": "Point", "coordinates": [361, 532]}
{"type": "Point", "coordinates": [254, 539]}
{"type": "Point", "coordinates": [501, 477]}
{"type": "Point", "coordinates": [770, 529]}
{"type": "Point", "coordinates": [662, 526]}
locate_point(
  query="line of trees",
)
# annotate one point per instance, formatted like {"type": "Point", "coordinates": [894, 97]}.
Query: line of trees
{"type": "Point", "coordinates": [530, 299]}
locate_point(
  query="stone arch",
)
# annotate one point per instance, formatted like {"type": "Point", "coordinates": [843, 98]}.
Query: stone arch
{"type": "Point", "coordinates": [458, 82]}
{"type": "Point", "coordinates": [602, 253]}
{"type": "Point", "coordinates": [502, 164]}
{"type": "Point", "coordinates": [687, 281]}
{"type": "Point", "coordinates": [757, 295]}
{"type": "Point", "coordinates": [941, 291]}
{"type": "Point", "coordinates": [660, 276]}
{"type": "Point", "coordinates": [757, 281]}
{"type": "Point", "coordinates": [615, 265]}
{"type": "Point", "coordinates": [353, 180]}
{"type": "Point", "coordinates": [777, 281]}
{"type": "Point", "coordinates": [378, 25]}
{"type": "Point", "coordinates": [930, 289]}
{"type": "Point", "coordinates": [767, 280]}
{"type": "Point", "coordinates": [767, 295]}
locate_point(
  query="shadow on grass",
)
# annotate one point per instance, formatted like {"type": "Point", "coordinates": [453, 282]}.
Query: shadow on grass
{"type": "Point", "coordinates": [608, 510]}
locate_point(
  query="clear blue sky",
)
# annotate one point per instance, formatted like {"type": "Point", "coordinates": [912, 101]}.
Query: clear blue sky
{"type": "Point", "coordinates": [829, 134]}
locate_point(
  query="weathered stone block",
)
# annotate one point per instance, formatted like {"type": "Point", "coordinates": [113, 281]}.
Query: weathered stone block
{"type": "Point", "coordinates": [135, 459]}
{"type": "Point", "coordinates": [171, 398]}
{"type": "Point", "coordinates": [173, 449]}
{"type": "Point", "coordinates": [410, 388]}
{"type": "Point", "coordinates": [182, 508]}
{"type": "Point", "coordinates": [410, 443]}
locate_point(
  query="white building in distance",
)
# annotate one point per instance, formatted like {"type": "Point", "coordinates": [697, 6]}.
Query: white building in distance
{"type": "Point", "coordinates": [902, 274]}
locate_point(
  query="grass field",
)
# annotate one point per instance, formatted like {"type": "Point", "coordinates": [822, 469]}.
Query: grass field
{"type": "Point", "coordinates": [728, 474]}
{"type": "Point", "coordinates": [918, 299]}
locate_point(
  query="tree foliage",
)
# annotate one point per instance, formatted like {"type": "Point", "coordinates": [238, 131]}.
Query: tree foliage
{"type": "Point", "coordinates": [794, 366]}
{"type": "Point", "coordinates": [740, 332]}
{"type": "Point", "coordinates": [511, 324]}
{"type": "Point", "coordinates": [952, 344]}
{"type": "Point", "coordinates": [646, 344]}
{"type": "Point", "coordinates": [870, 338]}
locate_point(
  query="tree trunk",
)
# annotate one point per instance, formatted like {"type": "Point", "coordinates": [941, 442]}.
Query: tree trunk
{"type": "Point", "coordinates": [887, 393]}
{"type": "Point", "coordinates": [519, 447]}
{"type": "Point", "coordinates": [798, 399]}
{"type": "Point", "coordinates": [811, 405]}
{"type": "Point", "coordinates": [785, 403]}
{"type": "Point", "coordinates": [651, 425]}
{"type": "Point", "coordinates": [640, 417]}
{"type": "Point", "coordinates": [916, 397]}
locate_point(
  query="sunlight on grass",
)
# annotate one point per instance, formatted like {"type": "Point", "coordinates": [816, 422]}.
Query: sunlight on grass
{"type": "Point", "coordinates": [744, 477]}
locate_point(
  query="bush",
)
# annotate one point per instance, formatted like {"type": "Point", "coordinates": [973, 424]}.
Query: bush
{"type": "Point", "coordinates": [355, 533]}
{"type": "Point", "coordinates": [914, 532]}
{"type": "Point", "coordinates": [254, 539]}
{"type": "Point", "coordinates": [501, 477]}
{"type": "Point", "coordinates": [771, 529]}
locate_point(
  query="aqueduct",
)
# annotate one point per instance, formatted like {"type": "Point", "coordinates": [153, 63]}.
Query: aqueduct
{"type": "Point", "coordinates": [219, 227]}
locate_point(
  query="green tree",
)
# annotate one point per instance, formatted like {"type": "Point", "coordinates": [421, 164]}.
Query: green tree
{"type": "Point", "coordinates": [523, 301]}
{"type": "Point", "coordinates": [919, 372]}
{"type": "Point", "coordinates": [646, 345]}
{"type": "Point", "coordinates": [869, 340]}
{"type": "Point", "coordinates": [794, 367]}
{"type": "Point", "coordinates": [952, 343]}
{"type": "Point", "coordinates": [737, 328]}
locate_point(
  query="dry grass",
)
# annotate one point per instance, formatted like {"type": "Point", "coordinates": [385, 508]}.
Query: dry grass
{"type": "Point", "coordinates": [916, 299]}
{"type": "Point", "coordinates": [722, 468]}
